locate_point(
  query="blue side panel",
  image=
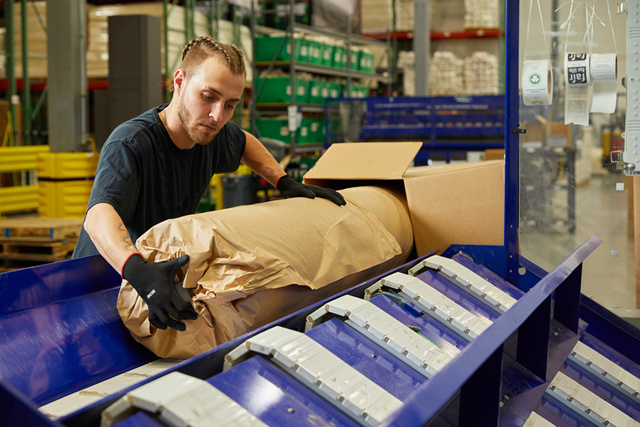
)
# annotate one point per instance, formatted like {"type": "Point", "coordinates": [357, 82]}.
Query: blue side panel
{"type": "Point", "coordinates": [368, 358]}
{"type": "Point", "coordinates": [275, 397]}
{"type": "Point", "coordinates": [61, 331]}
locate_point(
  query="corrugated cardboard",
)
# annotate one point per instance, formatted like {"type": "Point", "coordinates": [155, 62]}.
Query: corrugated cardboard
{"type": "Point", "coordinates": [460, 203]}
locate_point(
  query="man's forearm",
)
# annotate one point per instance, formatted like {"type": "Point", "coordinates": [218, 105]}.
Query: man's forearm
{"type": "Point", "coordinates": [260, 160]}
{"type": "Point", "coordinates": [109, 235]}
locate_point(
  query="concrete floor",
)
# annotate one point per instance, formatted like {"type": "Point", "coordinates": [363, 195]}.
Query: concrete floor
{"type": "Point", "coordinates": [609, 273]}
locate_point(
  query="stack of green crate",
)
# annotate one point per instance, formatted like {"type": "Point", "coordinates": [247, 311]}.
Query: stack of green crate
{"type": "Point", "coordinates": [326, 52]}
{"type": "Point", "coordinates": [267, 46]}
{"type": "Point", "coordinates": [277, 89]}
{"type": "Point", "coordinates": [274, 128]}
{"type": "Point", "coordinates": [355, 59]}
{"type": "Point", "coordinates": [366, 61]}
{"type": "Point", "coordinates": [339, 56]}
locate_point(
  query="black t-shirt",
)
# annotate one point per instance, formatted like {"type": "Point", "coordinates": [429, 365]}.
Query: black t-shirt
{"type": "Point", "coordinates": [147, 179]}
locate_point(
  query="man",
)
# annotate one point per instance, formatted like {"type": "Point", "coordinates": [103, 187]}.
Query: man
{"type": "Point", "coordinates": [158, 166]}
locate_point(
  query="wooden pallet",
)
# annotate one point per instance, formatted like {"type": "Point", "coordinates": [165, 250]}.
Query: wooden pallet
{"type": "Point", "coordinates": [40, 229]}
{"type": "Point", "coordinates": [29, 250]}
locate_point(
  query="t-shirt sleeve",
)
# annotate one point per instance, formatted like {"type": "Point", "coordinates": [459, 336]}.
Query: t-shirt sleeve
{"type": "Point", "coordinates": [117, 180]}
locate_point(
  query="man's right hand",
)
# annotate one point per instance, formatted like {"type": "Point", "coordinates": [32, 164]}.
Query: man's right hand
{"type": "Point", "coordinates": [154, 282]}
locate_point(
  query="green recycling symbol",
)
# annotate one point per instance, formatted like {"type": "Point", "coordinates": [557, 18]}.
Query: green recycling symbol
{"type": "Point", "coordinates": [534, 78]}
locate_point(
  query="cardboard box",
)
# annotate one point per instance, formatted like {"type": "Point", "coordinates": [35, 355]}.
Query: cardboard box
{"type": "Point", "coordinates": [460, 203]}
{"type": "Point", "coordinates": [494, 154]}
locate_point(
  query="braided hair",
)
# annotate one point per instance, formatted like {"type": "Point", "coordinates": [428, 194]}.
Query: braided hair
{"type": "Point", "coordinates": [201, 48]}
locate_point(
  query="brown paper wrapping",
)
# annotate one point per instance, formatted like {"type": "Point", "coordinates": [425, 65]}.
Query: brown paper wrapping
{"type": "Point", "coordinates": [251, 265]}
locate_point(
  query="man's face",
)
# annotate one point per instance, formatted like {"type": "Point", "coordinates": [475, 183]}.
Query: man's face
{"type": "Point", "coordinates": [208, 98]}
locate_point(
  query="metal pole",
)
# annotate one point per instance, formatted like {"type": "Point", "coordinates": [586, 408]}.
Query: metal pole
{"type": "Point", "coordinates": [292, 112]}
{"type": "Point", "coordinates": [254, 71]}
{"type": "Point", "coordinates": [11, 66]}
{"type": "Point", "coordinates": [26, 87]}
{"type": "Point", "coordinates": [511, 141]}
{"type": "Point", "coordinates": [67, 77]}
{"type": "Point", "coordinates": [165, 33]}
{"type": "Point", "coordinates": [422, 46]}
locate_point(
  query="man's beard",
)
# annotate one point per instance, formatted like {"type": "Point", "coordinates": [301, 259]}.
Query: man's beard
{"type": "Point", "coordinates": [198, 136]}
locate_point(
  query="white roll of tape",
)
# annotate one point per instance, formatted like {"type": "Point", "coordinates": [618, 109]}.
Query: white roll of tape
{"type": "Point", "coordinates": [576, 69]}
{"type": "Point", "coordinates": [604, 73]}
{"type": "Point", "coordinates": [537, 82]}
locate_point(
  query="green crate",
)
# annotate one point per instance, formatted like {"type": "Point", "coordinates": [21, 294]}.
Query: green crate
{"type": "Point", "coordinates": [274, 128]}
{"type": "Point", "coordinates": [326, 54]}
{"type": "Point", "coordinates": [278, 128]}
{"type": "Point", "coordinates": [266, 48]}
{"type": "Point", "coordinates": [304, 134]}
{"type": "Point", "coordinates": [335, 90]}
{"type": "Point", "coordinates": [316, 129]}
{"type": "Point", "coordinates": [315, 54]}
{"type": "Point", "coordinates": [316, 90]}
{"type": "Point", "coordinates": [355, 59]}
{"type": "Point", "coordinates": [339, 57]}
{"type": "Point", "coordinates": [367, 62]}
{"type": "Point", "coordinates": [358, 91]}
{"type": "Point", "coordinates": [278, 90]}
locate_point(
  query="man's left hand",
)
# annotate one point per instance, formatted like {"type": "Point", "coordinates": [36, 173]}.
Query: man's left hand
{"type": "Point", "coordinates": [289, 187]}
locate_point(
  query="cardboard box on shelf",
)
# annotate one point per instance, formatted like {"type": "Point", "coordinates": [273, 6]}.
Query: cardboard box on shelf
{"type": "Point", "coordinates": [459, 203]}
{"type": "Point", "coordinates": [494, 154]}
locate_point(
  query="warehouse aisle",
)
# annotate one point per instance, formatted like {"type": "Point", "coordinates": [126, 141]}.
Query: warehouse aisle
{"type": "Point", "coordinates": [608, 274]}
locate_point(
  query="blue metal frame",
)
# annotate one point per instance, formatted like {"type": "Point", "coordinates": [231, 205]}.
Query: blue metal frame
{"type": "Point", "coordinates": [511, 140]}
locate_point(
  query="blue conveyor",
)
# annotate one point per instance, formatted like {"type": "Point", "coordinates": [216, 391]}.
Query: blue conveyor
{"type": "Point", "coordinates": [60, 332]}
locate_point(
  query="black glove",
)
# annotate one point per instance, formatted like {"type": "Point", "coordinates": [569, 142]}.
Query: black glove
{"type": "Point", "coordinates": [154, 282]}
{"type": "Point", "coordinates": [289, 187]}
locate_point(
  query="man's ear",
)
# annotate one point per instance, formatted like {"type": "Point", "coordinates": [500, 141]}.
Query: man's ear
{"type": "Point", "coordinates": [179, 79]}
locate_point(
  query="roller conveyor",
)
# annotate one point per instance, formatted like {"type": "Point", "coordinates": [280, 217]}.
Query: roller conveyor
{"type": "Point", "coordinates": [383, 347]}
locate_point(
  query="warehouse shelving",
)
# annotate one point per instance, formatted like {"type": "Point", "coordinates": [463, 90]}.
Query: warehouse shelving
{"type": "Point", "coordinates": [445, 125]}
{"type": "Point", "coordinates": [293, 66]}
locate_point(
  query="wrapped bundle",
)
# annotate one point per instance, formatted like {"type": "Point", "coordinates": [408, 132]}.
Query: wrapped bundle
{"type": "Point", "coordinates": [407, 62]}
{"type": "Point", "coordinates": [481, 14]}
{"type": "Point", "coordinates": [377, 16]}
{"type": "Point", "coordinates": [481, 74]}
{"type": "Point", "coordinates": [251, 265]}
{"type": "Point", "coordinates": [445, 74]}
